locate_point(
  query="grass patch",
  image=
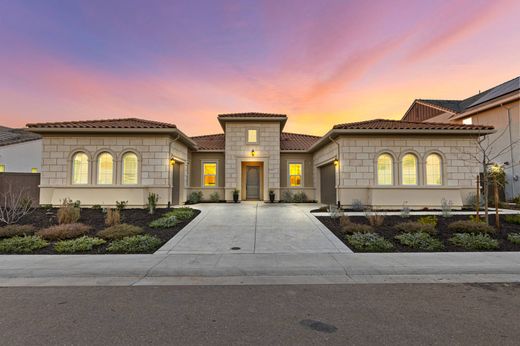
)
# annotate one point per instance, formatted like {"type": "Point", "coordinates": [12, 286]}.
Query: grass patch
{"type": "Point", "coordinates": [369, 242]}
{"type": "Point", "coordinates": [64, 231]}
{"type": "Point", "coordinates": [120, 231]}
{"type": "Point", "coordinates": [514, 238]}
{"type": "Point", "coordinates": [415, 227]}
{"type": "Point", "coordinates": [135, 244]}
{"type": "Point", "coordinates": [420, 241]}
{"type": "Point", "coordinates": [466, 226]}
{"type": "Point", "coordinates": [474, 241]}
{"type": "Point", "coordinates": [26, 244]}
{"type": "Point", "coordinates": [82, 244]}
{"type": "Point", "coordinates": [16, 230]}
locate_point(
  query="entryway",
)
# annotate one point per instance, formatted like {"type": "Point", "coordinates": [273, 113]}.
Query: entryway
{"type": "Point", "coordinates": [252, 181]}
{"type": "Point", "coordinates": [328, 184]}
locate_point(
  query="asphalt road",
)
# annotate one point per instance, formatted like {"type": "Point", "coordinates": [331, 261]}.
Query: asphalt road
{"type": "Point", "coordinates": [472, 314]}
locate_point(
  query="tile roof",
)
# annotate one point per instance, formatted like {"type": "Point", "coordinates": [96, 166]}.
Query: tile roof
{"type": "Point", "coordinates": [13, 136]}
{"type": "Point", "coordinates": [288, 141]}
{"type": "Point", "coordinates": [385, 124]}
{"type": "Point", "coordinates": [124, 123]}
{"type": "Point", "coordinates": [252, 115]}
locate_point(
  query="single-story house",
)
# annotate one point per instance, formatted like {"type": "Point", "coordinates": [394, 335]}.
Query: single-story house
{"type": "Point", "coordinates": [20, 151]}
{"type": "Point", "coordinates": [379, 163]}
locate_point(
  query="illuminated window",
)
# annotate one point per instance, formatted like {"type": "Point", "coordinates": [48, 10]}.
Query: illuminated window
{"type": "Point", "coordinates": [433, 170]}
{"type": "Point", "coordinates": [384, 170]}
{"type": "Point", "coordinates": [468, 121]}
{"type": "Point", "coordinates": [210, 174]}
{"type": "Point", "coordinates": [2, 168]}
{"type": "Point", "coordinates": [80, 169]}
{"type": "Point", "coordinates": [409, 170]}
{"type": "Point", "coordinates": [251, 136]}
{"type": "Point", "coordinates": [105, 169]}
{"type": "Point", "coordinates": [34, 170]}
{"type": "Point", "coordinates": [295, 174]}
{"type": "Point", "coordinates": [129, 168]}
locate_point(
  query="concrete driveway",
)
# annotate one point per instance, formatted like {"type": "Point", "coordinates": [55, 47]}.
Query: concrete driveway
{"type": "Point", "coordinates": [254, 227]}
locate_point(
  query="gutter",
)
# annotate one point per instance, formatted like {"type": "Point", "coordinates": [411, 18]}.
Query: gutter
{"type": "Point", "coordinates": [511, 152]}
{"type": "Point", "coordinates": [339, 168]}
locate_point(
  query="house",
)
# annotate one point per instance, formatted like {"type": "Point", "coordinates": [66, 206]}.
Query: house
{"type": "Point", "coordinates": [380, 163]}
{"type": "Point", "coordinates": [498, 106]}
{"type": "Point", "coordinates": [20, 151]}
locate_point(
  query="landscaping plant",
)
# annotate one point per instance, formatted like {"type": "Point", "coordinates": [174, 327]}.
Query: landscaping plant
{"type": "Point", "coordinates": [357, 205]}
{"type": "Point", "coordinates": [474, 218]}
{"type": "Point", "coordinates": [113, 217]}
{"type": "Point", "coordinates": [446, 207]}
{"type": "Point", "coordinates": [357, 228]}
{"type": "Point", "coordinates": [466, 226]}
{"type": "Point", "coordinates": [164, 222]}
{"type": "Point", "coordinates": [181, 213]}
{"type": "Point", "coordinates": [299, 197]}
{"type": "Point", "coordinates": [514, 238]}
{"type": "Point", "coordinates": [287, 196]}
{"type": "Point", "coordinates": [135, 244]}
{"type": "Point", "coordinates": [369, 242]}
{"type": "Point", "coordinates": [415, 227]}
{"type": "Point", "coordinates": [68, 212]}
{"type": "Point", "coordinates": [428, 220]}
{"type": "Point", "coordinates": [25, 244]}
{"type": "Point", "coordinates": [374, 218]}
{"type": "Point", "coordinates": [420, 241]}
{"type": "Point", "coordinates": [474, 241]}
{"type": "Point", "coordinates": [120, 231]}
{"type": "Point", "coordinates": [97, 207]}
{"type": "Point", "coordinates": [82, 244]}
{"type": "Point", "coordinates": [405, 210]}
{"type": "Point", "coordinates": [120, 205]}
{"type": "Point", "coordinates": [16, 230]}
{"type": "Point", "coordinates": [214, 197]}
{"type": "Point", "coordinates": [63, 231]}
{"type": "Point", "coordinates": [14, 205]}
{"type": "Point", "coordinates": [153, 198]}
{"type": "Point", "coordinates": [195, 197]}
{"type": "Point", "coordinates": [513, 219]}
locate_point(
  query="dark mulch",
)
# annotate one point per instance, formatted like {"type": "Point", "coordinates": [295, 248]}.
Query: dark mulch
{"type": "Point", "coordinates": [388, 231]}
{"type": "Point", "coordinates": [43, 218]}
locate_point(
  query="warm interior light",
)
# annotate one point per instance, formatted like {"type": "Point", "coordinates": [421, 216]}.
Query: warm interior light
{"type": "Point", "coordinates": [172, 161]}
{"type": "Point", "coordinates": [253, 152]}
{"type": "Point", "coordinates": [336, 162]}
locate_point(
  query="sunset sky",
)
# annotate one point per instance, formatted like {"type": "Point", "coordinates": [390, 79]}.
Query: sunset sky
{"type": "Point", "coordinates": [184, 62]}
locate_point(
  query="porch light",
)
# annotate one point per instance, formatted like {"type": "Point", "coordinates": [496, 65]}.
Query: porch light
{"type": "Point", "coordinates": [172, 161]}
{"type": "Point", "coordinates": [253, 152]}
{"type": "Point", "coordinates": [336, 162]}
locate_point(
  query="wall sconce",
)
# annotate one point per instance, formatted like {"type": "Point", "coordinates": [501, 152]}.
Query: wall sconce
{"type": "Point", "coordinates": [253, 152]}
{"type": "Point", "coordinates": [172, 161]}
{"type": "Point", "coordinates": [336, 162]}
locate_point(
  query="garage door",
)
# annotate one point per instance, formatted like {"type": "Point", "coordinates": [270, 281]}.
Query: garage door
{"type": "Point", "coordinates": [328, 184]}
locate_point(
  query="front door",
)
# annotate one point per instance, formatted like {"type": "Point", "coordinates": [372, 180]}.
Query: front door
{"type": "Point", "coordinates": [252, 182]}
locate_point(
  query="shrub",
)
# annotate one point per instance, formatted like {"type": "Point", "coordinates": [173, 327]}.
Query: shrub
{"type": "Point", "coordinates": [446, 207]}
{"type": "Point", "coordinates": [415, 227]}
{"type": "Point", "coordinates": [474, 241]}
{"type": "Point", "coordinates": [120, 205]}
{"type": "Point", "coordinates": [514, 238]}
{"type": "Point", "coordinates": [374, 218]}
{"type": "Point", "coordinates": [287, 196]}
{"type": "Point", "coordinates": [299, 197]}
{"type": "Point", "coordinates": [82, 244]}
{"type": "Point", "coordinates": [214, 197]}
{"type": "Point", "coordinates": [120, 231]}
{"type": "Point", "coordinates": [153, 198]}
{"type": "Point", "coordinates": [14, 205]}
{"type": "Point", "coordinates": [135, 244]}
{"type": "Point", "coordinates": [420, 241]}
{"type": "Point", "coordinates": [466, 226]}
{"type": "Point", "coordinates": [181, 213]}
{"type": "Point", "coordinates": [405, 210]}
{"type": "Point", "coordinates": [16, 230]}
{"type": "Point", "coordinates": [513, 219]}
{"type": "Point", "coordinates": [473, 218]}
{"type": "Point", "coordinates": [63, 231]}
{"type": "Point", "coordinates": [164, 222]}
{"type": "Point", "coordinates": [26, 244]}
{"type": "Point", "coordinates": [357, 228]}
{"type": "Point", "coordinates": [344, 220]}
{"type": "Point", "coordinates": [113, 217]}
{"type": "Point", "coordinates": [195, 197]}
{"type": "Point", "coordinates": [68, 212]}
{"type": "Point", "coordinates": [369, 242]}
{"type": "Point", "coordinates": [357, 205]}
{"type": "Point", "coordinates": [428, 220]}
{"type": "Point", "coordinates": [96, 207]}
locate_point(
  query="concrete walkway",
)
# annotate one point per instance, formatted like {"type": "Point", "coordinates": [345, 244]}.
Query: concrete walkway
{"type": "Point", "coordinates": [254, 228]}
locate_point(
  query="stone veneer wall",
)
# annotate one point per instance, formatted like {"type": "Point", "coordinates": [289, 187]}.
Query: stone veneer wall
{"type": "Point", "coordinates": [267, 149]}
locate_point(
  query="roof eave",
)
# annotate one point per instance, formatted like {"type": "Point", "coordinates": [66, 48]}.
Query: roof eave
{"type": "Point", "coordinates": [496, 102]}
{"type": "Point", "coordinates": [223, 120]}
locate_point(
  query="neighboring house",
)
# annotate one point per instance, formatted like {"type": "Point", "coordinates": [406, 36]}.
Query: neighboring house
{"type": "Point", "coordinates": [498, 106]}
{"type": "Point", "coordinates": [381, 163]}
{"type": "Point", "coordinates": [20, 151]}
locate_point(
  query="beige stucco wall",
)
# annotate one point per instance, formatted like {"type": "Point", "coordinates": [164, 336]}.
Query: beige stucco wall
{"type": "Point", "coordinates": [323, 156]}
{"type": "Point", "coordinates": [196, 183]}
{"type": "Point", "coordinates": [308, 174]}
{"type": "Point", "coordinates": [153, 151]}
{"type": "Point", "coordinates": [267, 150]}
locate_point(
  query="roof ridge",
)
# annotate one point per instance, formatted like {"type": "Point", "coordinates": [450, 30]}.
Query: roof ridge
{"type": "Point", "coordinates": [489, 89]}
{"type": "Point", "coordinates": [301, 134]}
{"type": "Point", "coordinates": [212, 135]}
{"type": "Point", "coordinates": [100, 121]}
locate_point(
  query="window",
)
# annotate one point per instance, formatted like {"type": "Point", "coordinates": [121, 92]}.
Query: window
{"type": "Point", "coordinates": [210, 174]}
{"type": "Point", "coordinates": [2, 168]}
{"type": "Point", "coordinates": [251, 136]}
{"type": "Point", "coordinates": [433, 170]}
{"type": "Point", "coordinates": [384, 170]}
{"type": "Point", "coordinates": [80, 169]}
{"type": "Point", "coordinates": [409, 170]}
{"type": "Point", "coordinates": [295, 174]}
{"type": "Point", "coordinates": [34, 170]}
{"type": "Point", "coordinates": [105, 169]}
{"type": "Point", "coordinates": [468, 121]}
{"type": "Point", "coordinates": [129, 168]}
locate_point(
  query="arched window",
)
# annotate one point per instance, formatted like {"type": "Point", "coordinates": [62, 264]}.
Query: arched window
{"type": "Point", "coordinates": [433, 170]}
{"type": "Point", "coordinates": [80, 168]}
{"type": "Point", "coordinates": [409, 170]}
{"type": "Point", "coordinates": [384, 170]}
{"type": "Point", "coordinates": [129, 168]}
{"type": "Point", "coordinates": [105, 166]}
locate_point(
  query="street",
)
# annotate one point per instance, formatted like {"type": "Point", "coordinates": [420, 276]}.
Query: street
{"type": "Point", "coordinates": [409, 314]}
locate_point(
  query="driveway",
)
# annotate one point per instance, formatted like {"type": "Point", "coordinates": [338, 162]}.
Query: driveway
{"type": "Point", "coordinates": [254, 227]}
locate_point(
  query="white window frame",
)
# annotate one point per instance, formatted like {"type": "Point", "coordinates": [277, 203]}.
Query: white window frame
{"type": "Point", "coordinates": [441, 168]}
{"type": "Point", "coordinates": [71, 175]}
{"type": "Point", "coordinates": [113, 167]}
{"type": "Point", "coordinates": [256, 135]}
{"type": "Point", "coordinates": [417, 182]}
{"type": "Point", "coordinates": [202, 175]}
{"type": "Point", "coordinates": [302, 175]}
{"type": "Point", "coordinates": [138, 170]}
{"type": "Point", "coordinates": [392, 173]}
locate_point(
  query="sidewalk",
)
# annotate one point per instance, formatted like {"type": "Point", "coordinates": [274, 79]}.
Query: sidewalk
{"type": "Point", "coordinates": [230, 269]}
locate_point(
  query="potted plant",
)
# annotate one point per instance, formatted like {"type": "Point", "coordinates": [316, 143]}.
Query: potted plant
{"type": "Point", "coordinates": [271, 196]}
{"type": "Point", "coordinates": [236, 194]}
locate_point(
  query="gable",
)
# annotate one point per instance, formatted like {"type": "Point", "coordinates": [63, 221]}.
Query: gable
{"type": "Point", "coordinates": [421, 112]}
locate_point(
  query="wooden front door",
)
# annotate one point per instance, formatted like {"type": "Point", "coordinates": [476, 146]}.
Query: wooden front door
{"type": "Point", "coordinates": [252, 182]}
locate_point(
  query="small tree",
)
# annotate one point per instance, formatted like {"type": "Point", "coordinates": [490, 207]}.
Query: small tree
{"type": "Point", "coordinates": [14, 205]}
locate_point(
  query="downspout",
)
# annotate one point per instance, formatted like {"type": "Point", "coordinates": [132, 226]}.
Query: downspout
{"type": "Point", "coordinates": [170, 172]}
{"type": "Point", "coordinates": [513, 193]}
{"type": "Point", "coordinates": [339, 170]}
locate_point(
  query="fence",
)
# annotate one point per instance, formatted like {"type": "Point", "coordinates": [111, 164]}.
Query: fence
{"type": "Point", "coordinates": [27, 181]}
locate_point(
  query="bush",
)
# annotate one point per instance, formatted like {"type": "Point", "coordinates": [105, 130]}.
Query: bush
{"type": "Point", "coordinates": [420, 241]}
{"type": "Point", "coordinates": [299, 197]}
{"type": "Point", "coordinates": [415, 227]}
{"type": "Point", "coordinates": [26, 244]}
{"type": "Point", "coordinates": [513, 219]}
{"type": "Point", "coordinates": [195, 197]}
{"type": "Point", "coordinates": [344, 220]}
{"type": "Point", "coordinates": [405, 210]}
{"type": "Point", "coordinates": [96, 207]}
{"type": "Point", "coordinates": [428, 220]}
{"type": "Point", "coordinates": [369, 242]}
{"type": "Point", "coordinates": [287, 196]}
{"type": "Point", "coordinates": [82, 244]}
{"type": "Point", "coordinates": [120, 231]}
{"type": "Point", "coordinates": [64, 231]}
{"type": "Point", "coordinates": [446, 207]}
{"type": "Point", "coordinates": [357, 228]}
{"type": "Point", "coordinates": [473, 218]}
{"type": "Point", "coordinates": [113, 217]}
{"type": "Point", "coordinates": [16, 230]}
{"type": "Point", "coordinates": [181, 213]}
{"type": "Point", "coordinates": [164, 222]}
{"type": "Point", "coordinates": [474, 241]}
{"type": "Point", "coordinates": [14, 205]}
{"type": "Point", "coordinates": [357, 205]}
{"type": "Point", "coordinates": [514, 238]}
{"type": "Point", "coordinates": [466, 226]}
{"type": "Point", "coordinates": [214, 197]}
{"type": "Point", "coordinates": [374, 218]}
{"type": "Point", "coordinates": [153, 198]}
{"type": "Point", "coordinates": [68, 212]}
{"type": "Point", "coordinates": [135, 244]}
{"type": "Point", "coordinates": [120, 205]}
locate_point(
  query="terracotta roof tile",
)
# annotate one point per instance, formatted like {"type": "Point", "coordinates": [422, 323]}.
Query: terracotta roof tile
{"type": "Point", "coordinates": [384, 124]}
{"type": "Point", "coordinates": [288, 141]}
{"type": "Point", "coordinates": [125, 123]}
{"type": "Point", "coordinates": [252, 115]}
{"type": "Point", "coordinates": [210, 142]}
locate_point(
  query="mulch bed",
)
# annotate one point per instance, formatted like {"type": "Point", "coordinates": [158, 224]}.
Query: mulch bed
{"type": "Point", "coordinates": [389, 233]}
{"type": "Point", "coordinates": [95, 218]}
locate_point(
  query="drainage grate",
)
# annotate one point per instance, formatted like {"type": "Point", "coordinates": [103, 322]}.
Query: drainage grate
{"type": "Point", "coordinates": [235, 248]}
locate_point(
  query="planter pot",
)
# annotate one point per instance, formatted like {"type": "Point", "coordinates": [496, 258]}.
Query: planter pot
{"type": "Point", "coordinates": [235, 198]}
{"type": "Point", "coordinates": [271, 197]}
